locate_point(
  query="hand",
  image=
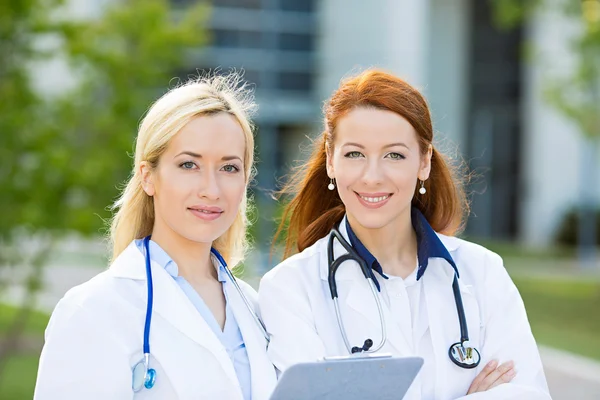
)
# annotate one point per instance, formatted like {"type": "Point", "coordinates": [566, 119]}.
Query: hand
{"type": "Point", "coordinates": [491, 376]}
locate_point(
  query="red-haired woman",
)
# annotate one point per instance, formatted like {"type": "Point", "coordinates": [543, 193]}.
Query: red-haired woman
{"type": "Point", "coordinates": [376, 188]}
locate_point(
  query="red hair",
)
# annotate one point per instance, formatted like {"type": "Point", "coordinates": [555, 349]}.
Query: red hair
{"type": "Point", "coordinates": [314, 210]}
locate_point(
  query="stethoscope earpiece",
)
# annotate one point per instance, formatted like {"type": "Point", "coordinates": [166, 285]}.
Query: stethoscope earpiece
{"type": "Point", "coordinates": [463, 355]}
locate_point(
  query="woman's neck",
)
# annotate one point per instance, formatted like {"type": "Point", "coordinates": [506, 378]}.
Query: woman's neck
{"type": "Point", "coordinates": [192, 258]}
{"type": "Point", "coordinates": [393, 245]}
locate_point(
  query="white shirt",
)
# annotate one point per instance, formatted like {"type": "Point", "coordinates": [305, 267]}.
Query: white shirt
{"type": "Point", "coordinates": [407, 304]}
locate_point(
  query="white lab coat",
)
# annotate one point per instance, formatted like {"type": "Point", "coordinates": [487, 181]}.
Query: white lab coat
{"type": "Point", "coordinates": [95, 337]}
{"type": "Point", "coordinates": [297, 309]}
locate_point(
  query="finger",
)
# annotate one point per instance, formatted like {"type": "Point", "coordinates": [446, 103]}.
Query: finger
{"type": "Point", "coordinates": [497, 373]}
{"type": "Point", "coordinates": [488, 369]}
{"type": "Point", "coordinates": [505, 378]}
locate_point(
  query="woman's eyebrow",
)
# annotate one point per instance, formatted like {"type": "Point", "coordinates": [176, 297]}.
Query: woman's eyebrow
{"type": "Point", "coordinates": [189, 153]}
{"type": "Point", "coordinates": [196, 155]}
{"type": "Point", "coordinates": [401, 144]}
{"type": "Point", "coordinates": [229, 158]}
{"type": "Point", "coordinates": [385, 147]}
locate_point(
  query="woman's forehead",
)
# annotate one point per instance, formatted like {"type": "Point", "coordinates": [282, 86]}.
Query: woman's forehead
{"type": "Point", "coordinates": [371, 126]}
{"type": "Point", "coordinates": [212, 135]}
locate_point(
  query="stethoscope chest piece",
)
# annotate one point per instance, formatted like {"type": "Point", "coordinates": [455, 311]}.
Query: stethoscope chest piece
{"type": "Point", "coordinates": [463, 355]}
{"type": "Point", "coordinates": [143, 376]}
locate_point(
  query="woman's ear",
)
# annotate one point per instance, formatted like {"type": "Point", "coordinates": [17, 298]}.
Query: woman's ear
{"type": "Point", "coordinates": [329, 161]}
{"type": "Point", "coordinates": [147, 177]}
{"type": "Point", "coordinates": [425, 168]}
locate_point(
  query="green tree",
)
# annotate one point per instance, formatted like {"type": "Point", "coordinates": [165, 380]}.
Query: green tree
{"type": "Point", "coordinates": [65, 155]}
{"type": "Point", "coordinates": [23, 136]}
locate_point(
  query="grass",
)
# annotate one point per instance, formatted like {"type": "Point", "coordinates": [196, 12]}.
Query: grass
{"type": "Point", "coordinates": [18, 378]}
{"type": "Point", "coordinates": [514, 250]}
{"type": "Point", "coordinates": [563, 314]}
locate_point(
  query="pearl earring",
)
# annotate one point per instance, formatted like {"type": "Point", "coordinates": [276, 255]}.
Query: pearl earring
{"type": "Point", "coordinates": [422, 190]}
{"type": "Point", "coordinates": [331, 185]}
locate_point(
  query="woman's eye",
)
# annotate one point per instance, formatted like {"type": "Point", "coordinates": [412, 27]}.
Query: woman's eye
{"type": "Point", "coordinates": [187, 165]}
{"type": "Point", "coordinates": [396, 156]}
{"type": "Point", "coordinates": [354, 154]}
{"type": "Point", "coordinates": [230, 168]}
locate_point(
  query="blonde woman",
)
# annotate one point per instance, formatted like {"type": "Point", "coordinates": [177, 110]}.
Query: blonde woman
{"type": "Point", "coordinates": [168, 320]}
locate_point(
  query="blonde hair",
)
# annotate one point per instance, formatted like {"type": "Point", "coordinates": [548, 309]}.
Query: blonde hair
{"type": "Point", "coordinates": [206, 95]}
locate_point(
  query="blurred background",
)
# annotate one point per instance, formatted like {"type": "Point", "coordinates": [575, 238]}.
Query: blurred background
{"type": "Point", "coordinates": [514, 88]}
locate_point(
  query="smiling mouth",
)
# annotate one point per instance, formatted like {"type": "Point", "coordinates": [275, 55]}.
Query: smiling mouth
{"type": "Point", "coordinates": [374, 200]}
{"type": "Point", "coordinates": [206, 213]}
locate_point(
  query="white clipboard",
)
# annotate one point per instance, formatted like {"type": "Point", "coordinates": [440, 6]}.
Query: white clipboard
{"type": "Point", "coordinates": [349, 378]}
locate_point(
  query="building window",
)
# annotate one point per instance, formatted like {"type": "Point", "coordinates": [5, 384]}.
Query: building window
{"type": "Point", "coordinates": [297, 5]}
{"type": "Point", "coordinates": [183, 3]}
{"type": "Point", "coordinates": [295, 81]}
{"type": "Point", "coordinates": [251, 76]}
{"type": "Point", "coordinates": [237, 3]}
{"type": "Point", "coordinates": [296, 42]}
{"type": "Point", "coordinates": [235, 38]}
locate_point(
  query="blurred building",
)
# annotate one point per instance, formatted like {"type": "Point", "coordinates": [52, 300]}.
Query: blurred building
{"type": "Point", "coordinates": [274, 43]}
{"type": "Point", "coordinates": [485, 97]}
{"type": "Point", "coordinates": [486, 100]}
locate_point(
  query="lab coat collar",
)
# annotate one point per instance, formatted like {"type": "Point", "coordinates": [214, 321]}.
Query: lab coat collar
{"type": "Point", "coordinates": [429, 244]}
{"type": "Point", "coordinates": [448, 242]}
{"type": "Point", "coordinates": [161, 257]}
{"type": "Point", "coordinates": [338, 250]}
{"type": "Point", "coordinates": [171, 304]}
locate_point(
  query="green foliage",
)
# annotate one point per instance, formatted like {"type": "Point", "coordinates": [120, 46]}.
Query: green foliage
{"type": "Point", "coordinates": [35, 325]}
{"type": "Point", "coordinates": [64, 156]}
{"type": "Point", "coordinates": [577, 94]}
{"type": "Point", "coordinates": [510, 13]}
{"type": "Point", "coordinates": [22, 113]}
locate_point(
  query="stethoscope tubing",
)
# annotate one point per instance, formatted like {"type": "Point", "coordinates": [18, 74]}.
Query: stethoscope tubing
{"type": "Point", "coordinates": [463, 347]}
{"type": "Point", "coordinates": [150, 374]}
{"type": "Point", "coordinates": [150, 301]}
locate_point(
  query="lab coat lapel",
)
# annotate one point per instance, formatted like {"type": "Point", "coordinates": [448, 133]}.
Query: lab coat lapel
{"type": "Point", "coordinates": [355, 292]}
{"type": "Point", "coordinates": [262, 371]}
{"type": "Point", "coordinates": [172, 305]}
{"type": "Point", "coordinates": [445, 328]}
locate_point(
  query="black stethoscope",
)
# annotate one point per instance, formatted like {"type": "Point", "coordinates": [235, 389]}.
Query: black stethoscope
{"type": "Point", "coordinates": [461, 353]}
{"type": "Point", "coordinates": [142, 375]}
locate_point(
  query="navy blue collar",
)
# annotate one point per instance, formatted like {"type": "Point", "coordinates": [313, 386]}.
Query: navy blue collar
{"type": "Point", "coordinates": [429, 246]}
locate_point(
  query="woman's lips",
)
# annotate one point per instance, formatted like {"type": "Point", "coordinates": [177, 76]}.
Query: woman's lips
{"type": "Point", "coordinates": [373, 200]}
{"type": "Point", "coordinates": [206, 213]}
